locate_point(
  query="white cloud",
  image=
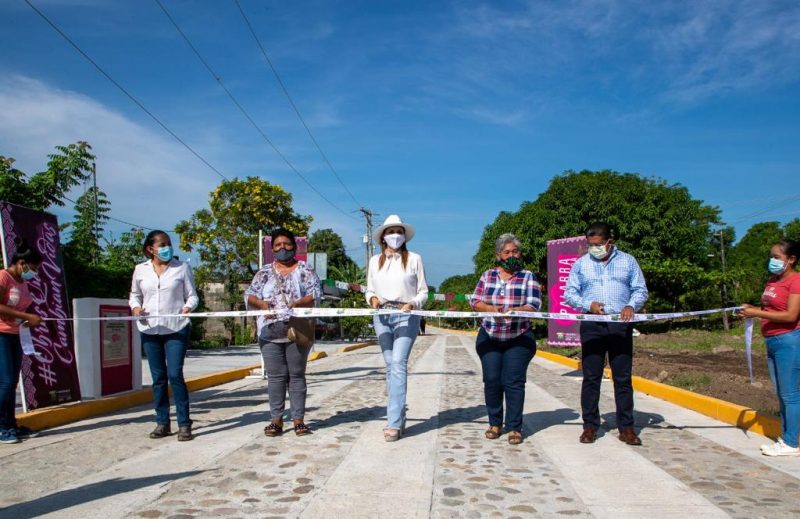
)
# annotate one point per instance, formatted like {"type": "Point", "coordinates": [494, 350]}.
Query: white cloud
{"type": "Point", "coordinates": [150, 179]}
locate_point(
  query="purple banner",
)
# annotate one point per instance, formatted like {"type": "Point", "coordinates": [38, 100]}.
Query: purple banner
{"type": "Point", "coordinates": [51, 376]}
{"type": "Point", "coordinates": [301, 255]}
{"type": "Point", "coordinates": [561, 255]}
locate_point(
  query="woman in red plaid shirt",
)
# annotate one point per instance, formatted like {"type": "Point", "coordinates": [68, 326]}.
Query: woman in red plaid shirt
{"type": "Point", "coordinates": [506, 345]}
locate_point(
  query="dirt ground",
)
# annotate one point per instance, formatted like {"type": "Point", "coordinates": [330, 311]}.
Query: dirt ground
{"type": "Point", "coordinates": [722, 375]}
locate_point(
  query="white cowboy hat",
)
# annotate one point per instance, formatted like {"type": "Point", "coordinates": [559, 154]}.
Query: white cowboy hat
{"type": "Point", "coordinates": [393, 221]}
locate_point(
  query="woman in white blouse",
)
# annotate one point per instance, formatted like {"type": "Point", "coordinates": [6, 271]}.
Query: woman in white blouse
{"type": "Point", "coordinates": [396, 280]}
{"type": "Point", "coordinates": [162, 285]}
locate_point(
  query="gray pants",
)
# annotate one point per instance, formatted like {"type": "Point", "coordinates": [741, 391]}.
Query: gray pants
{"type": "Point", "coordinates": [285, 363]}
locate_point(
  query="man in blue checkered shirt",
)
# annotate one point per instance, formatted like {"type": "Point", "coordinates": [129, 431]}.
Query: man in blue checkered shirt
{"type": "Point", "coordinates": [606, 281]}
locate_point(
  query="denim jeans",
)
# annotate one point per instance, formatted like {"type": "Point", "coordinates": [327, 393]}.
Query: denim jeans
{"type": "Point", "coordinates": [165, 355]}
{"type": "Point", "coordinates": [285, 363]}
{"type": "Point", "coordinates": [783, 359]}
{"type": "Point", "coordinates": [505, 368]}
{"type": "Point", "coordinates": [10, 364]}
{"type": "Point", "coordinates": [615, 340]}
{"type": "Point", "coordinates": [396, 334]}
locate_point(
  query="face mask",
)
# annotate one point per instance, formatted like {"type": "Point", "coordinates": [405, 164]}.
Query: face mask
{"type": "Point", "coordinates": [165, 253]}
{"type": "Point", "coordinates": [598, 251]}
{"type": "Point", "coordinates": [284, 255]}
{"type": "Point", "coordinates": [511, 264]}
{"type": "Point", "coordinates": [394, 241]}
{"type": "Point", "coordinates": [28, 275]}
{"type": "Point", "coordinates": [776, 266]}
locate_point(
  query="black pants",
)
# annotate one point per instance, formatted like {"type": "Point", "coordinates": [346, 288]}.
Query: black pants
{"type": "Point", "coordinates": [597, 340]}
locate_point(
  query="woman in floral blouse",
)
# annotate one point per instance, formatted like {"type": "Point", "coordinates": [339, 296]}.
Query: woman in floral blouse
{"type": "Point", "coordinates": [280, 286]}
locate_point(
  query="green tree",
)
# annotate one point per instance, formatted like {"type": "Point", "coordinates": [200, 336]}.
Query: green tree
{"type": "Point", "coordinates": [126, 251]}
{"type": "Point", "coordinates": [655, 220]}
{"type": "Point", "coordinates": [349, 273]}
{"type": "Point", "coordinates": [67, 168]}
{"type": "Point", "coordinates": [326, 240]}
{"type": "Point", "coordinates": [750, 254]}
{"type": "Point", "coordinates": [86, 230]}
{"type": "Point", "coordinates": [791, 231]}
{"type": "Point", "coordinates": [225, 235]}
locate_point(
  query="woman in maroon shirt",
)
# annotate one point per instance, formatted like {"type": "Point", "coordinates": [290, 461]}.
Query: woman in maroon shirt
{"type": "Point", "coordinates": [780, 325]}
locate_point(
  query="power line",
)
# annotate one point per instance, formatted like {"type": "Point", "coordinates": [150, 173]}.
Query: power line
{"type": "Point", "coordinates": [111, 217]}
{"type": "Point", "coordinates": [122, 89]}
{"type": "Point", "coordinates": [764, 211]}
{"type": "Point", "coordinates": [255, 125]}
{"type": "Point", "coordinates": [291, 102]}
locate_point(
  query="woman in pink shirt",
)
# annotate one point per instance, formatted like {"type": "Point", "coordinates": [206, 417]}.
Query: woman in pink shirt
{"type": "Point", "coordinates": [14, 301]}
{"type": "Point", "coordinates": [780, 325]}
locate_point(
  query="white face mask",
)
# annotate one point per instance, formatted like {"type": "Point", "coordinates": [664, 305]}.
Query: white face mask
{"type": "Point", "coordinates": [598, 251]}
{"type": "Point", "coordinates": [394, 241]}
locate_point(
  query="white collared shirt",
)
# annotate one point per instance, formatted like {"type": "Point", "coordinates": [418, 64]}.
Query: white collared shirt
{"type": "Point", "coordinates": [159, 295]}
{"type": "Point", "coordinates": [395, 284]}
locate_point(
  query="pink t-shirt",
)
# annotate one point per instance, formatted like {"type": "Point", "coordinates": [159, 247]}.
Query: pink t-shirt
{"type": "Point", "coordinates": [16, 296]}
{"type": "Point", "coordinates": [776, 299]}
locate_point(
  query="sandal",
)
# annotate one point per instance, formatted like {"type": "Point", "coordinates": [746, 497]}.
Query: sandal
{"type": "Point", "coordinates": [493, 432]}
{"type": "Point", "coordinates": [391, 435]}
{"type": "Point", "coordinates": [273, 429]}
{"type": "Point", "coordinates": [514, 437]}
{"type": "Point", "coordinates": [301, 429]}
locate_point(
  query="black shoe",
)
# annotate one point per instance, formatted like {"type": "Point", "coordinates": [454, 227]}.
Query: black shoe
{"type": "Point", "coordinates": [23, 433]}
{"type": "Point", "coordinates": [185, 433]}
{"type": "Point", "coordinates": [161, 431]}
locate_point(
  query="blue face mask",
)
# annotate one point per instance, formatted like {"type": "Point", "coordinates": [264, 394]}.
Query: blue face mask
{"type": "Point", "coordinates": [776, 266]}
{"type": "Point", "coordinates": [28, 275]}
{"type": "Point", "coordinates": [165, 253]}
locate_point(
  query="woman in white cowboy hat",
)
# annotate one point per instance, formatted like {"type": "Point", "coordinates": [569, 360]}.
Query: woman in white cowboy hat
{"type": "Point", "coordinates": [396, 279]}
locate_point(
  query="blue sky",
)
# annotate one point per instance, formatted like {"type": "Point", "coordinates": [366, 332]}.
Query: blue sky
{"type": "Point", "coordinates": [443, 112]}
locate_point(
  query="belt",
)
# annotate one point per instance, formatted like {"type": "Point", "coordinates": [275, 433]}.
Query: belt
{"type": "Point", "coordinates": [393, 305]}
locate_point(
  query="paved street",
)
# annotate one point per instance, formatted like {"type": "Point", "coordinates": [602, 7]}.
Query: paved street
{"type": "Point", "coordinates": [689, 465]}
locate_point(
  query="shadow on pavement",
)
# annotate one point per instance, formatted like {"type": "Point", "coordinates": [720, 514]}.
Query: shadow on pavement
{"type": "Point", "coordinates": [84, 494]}
{"type": "Point", "coordinates": [365, 414]}
{"type": "Point", "coordinates": [445, 418]}
{"type": "Point", "coordinates": [541, 420]}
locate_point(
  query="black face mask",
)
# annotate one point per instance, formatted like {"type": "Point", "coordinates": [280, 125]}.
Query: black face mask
{"type": "Point", "coordinates": [512, 264]}
{"type": "Point", "coordinates": [284, 255]}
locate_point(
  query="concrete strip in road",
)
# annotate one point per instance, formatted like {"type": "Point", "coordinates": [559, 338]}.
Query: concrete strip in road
{"type": "Point", "coordinates": [358, 489]}
{"type": "Point", "coordinates": [144, 477]}
{"type": "Point", "coordinates": [602, 488]}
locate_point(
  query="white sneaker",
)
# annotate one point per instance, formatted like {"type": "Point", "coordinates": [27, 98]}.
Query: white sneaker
{"type": "Point", "coordinates": [780, 449]}
{"type": "Point", "coordinates": [772, 445]}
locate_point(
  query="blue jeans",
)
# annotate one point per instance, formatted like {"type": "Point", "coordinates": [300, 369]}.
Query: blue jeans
{"type": "Point", "coordinates": [783, 359]}
{"type": "Point", "coordinates": [505, 368]}
{"type": "Point", "coordinates": [396, 334]}
{"type": "Point", "coordinates": [10, 364]}
{"type": "Point", "coordinates": [165, 355]}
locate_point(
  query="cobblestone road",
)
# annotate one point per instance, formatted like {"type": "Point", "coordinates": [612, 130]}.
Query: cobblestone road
{"type": "Point", "coordinates": [689, 465]}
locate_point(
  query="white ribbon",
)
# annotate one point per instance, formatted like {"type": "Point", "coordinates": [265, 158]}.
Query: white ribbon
{"type": "Point", "coordinates": [365, 312]}
{"type": "Point", "coordinates": [748, 346]}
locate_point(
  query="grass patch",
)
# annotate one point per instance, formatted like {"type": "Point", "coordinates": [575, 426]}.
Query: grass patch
{"type": "Point", "coordinates": [690, 381]}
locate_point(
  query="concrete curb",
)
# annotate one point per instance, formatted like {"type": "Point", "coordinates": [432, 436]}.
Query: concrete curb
{"type": "Point", "coordinates": [727, 412]}
{"type": "Point", "coordinates": [54, 416]}
{"type": "Point", "coordinates": [314, 356]}
{"type": "Point", "coordinates": [353, 347]}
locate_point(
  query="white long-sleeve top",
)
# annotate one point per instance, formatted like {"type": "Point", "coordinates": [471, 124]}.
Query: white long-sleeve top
{"type": "Point", "coordinates": [392, 283]}
{"type": "Point", "coordinates": [165, 294]}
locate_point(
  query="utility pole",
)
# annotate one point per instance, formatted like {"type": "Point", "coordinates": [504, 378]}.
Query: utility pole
{"type": "Point", "coordinates": [368, 245]}
{"type": "Point", "coordinates": [725, 323]}
{"type": "Point", "coordinates": [96, 227]}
